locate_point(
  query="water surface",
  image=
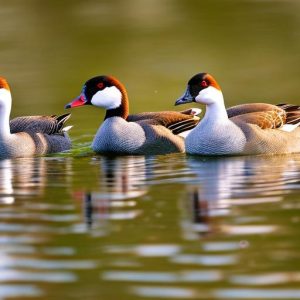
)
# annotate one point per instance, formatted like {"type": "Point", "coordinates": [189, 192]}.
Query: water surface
{"type": "Point", "coordinates": [150, 227]}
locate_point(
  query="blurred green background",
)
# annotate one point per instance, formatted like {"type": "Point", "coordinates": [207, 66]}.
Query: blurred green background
{"type": "Point", "coordinates": [48, 49]}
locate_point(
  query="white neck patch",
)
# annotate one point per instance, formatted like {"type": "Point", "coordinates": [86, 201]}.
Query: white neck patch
{"type": "Point", "coordinates": [5, 106]}
{"type": "Point", "coordinates": [109, 98]}
{"type": "Point", "coordinates": [210, 95]}
{"type": "Point", "coordinates": [5, 98]}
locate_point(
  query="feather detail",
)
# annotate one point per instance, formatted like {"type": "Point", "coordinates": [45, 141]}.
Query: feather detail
{"type": "Point", "coordinates": [292, 113]}
{"type": "Point", "coordinates": [39, 124]}
{"type": "Point", "coordinates": [266, 116]}
{"type": "Point", "coordinates": [264, 120]}
{"type": "Point", "coordinates": [175, 121]}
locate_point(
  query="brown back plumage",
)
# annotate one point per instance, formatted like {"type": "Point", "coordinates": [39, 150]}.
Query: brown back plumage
{"type": "Point", "coordinates": [177, 122]}
{"type": "Point", "coordinates": [266, 116]}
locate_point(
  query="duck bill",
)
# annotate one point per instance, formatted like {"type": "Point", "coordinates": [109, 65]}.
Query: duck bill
{"type": "Point", "coordinates": [79, 101]}
{"type": "Point", "coordinates": [185, 98]}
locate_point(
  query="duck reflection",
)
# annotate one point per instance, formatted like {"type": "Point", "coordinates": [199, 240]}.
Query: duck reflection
{"type": "Point", "coordinates": [122, 181]}
{"type": "Point", "coordinates": [222, 183]}
{"type": "Point", "coordinates": [123, 177]}
{"type": "Point", "coordinates": [21, 177]}
{"type": "Point", "coordinates": [26, 177]}
{"type": "Point", "coordinates": [6, 186]}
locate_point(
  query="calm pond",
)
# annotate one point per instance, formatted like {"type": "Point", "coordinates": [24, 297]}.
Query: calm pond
{"type": "Point", "coordinates": [82, 226]}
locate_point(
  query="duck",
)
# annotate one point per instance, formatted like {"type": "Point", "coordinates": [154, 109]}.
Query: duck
{"type": "Point", "coordinates": [245, 129]}
{"type": "Point", "coordinates": [29, 135]}
{"type": "Point", "coordinates": [147, 133]}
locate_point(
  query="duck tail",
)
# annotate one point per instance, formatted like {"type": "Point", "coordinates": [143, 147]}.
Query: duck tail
{"type": "Point", "coordinates": [61, 120]}
{"type": "Point", "coordinates": [292, 113]}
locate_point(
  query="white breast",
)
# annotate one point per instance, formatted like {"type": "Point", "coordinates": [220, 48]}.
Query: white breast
{"type": "Point", "coordinates": [118, 135]}
{"type": "Point", "coordinates": [215, 139]}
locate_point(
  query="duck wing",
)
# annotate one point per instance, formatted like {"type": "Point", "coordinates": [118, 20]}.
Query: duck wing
{"type": "Point", "coordinates": [42, 124]}
{"type": "Point", "coordinates": [266, 116]}
{"type": "Point", "coordinates": [264, 120]}
{"type": "Point", "coordinates": [175, 121]}
{"type": "Point", "coordinates": [243, 109]}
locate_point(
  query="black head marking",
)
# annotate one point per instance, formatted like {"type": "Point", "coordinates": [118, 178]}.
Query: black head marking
{"type": "Point", "coordinates": [200, 82]}
{"type": "Point", "coordinates": [197, 83]}
{"type": "Point", "coordinates": [95, 84]}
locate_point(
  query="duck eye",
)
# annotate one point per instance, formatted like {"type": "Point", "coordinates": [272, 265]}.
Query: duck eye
{"type": "Point", "coordinates": [204, 84]}
{"type": "Point", "coordinates": [100, 85]}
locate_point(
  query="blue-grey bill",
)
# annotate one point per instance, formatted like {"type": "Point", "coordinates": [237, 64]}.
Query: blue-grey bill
{"type": "Point", "coordinates": [185, 98]}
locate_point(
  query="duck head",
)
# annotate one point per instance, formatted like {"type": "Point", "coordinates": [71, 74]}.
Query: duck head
{"type": "Point", "coordinates": [201, 88]}
{"type": "Point", "coordinates": [106, 92]}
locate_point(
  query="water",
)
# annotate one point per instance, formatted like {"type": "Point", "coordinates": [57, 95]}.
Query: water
{"type": "Point", "coordinates": [172, 227]}
{"type": "Point", "coordinates": [84, 226]}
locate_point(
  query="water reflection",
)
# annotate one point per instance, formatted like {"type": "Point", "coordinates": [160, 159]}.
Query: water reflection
{"type": "Point", "coordinates": [108, 230]}
{"type": "Point", "coordinates": [26, 217]}
{"type": "Point", "coordinates": [183, 276]}
{"type": "Point", "coordinates": [123, 177]}
{"type": "Point", "coordinates": [152, 250]}
{"type": "Point", "coordinates": [220, 185]}
{"type": "Point", "coordinates": [6, 182]}
{"type": "Point", "coordinates": [21, 177]}
{"type": "Point", "coordinates": [121, 182]}
{"type": "Point", "coordinates": [225, 183]}
{"type": "Point", "coordinates": [27, 177]}
{"type": "Point", "coordinates": [265, 279]}
{"type": "Point", "coordinates": [19, 290]}
{"type": "Point", "coordinates": [257, 293]}
{"type": "Point", "coordinates": [165, 292]}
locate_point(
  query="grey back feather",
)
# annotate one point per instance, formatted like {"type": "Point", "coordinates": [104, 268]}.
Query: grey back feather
{"type": "Point", "coordinates": [42, 124]}
{"type": "Point", "coordinates": [35, 135]}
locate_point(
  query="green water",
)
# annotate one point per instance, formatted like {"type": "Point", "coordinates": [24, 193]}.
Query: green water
{"type": "Point", "coordinates": [85, 226]}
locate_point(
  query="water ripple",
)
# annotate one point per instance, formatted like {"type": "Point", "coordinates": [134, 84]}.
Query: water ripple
{"type": "Point", "coordinates": [205, 260]}
{"type": "Point", "coordinates": [249, 229]}
{"type": "Point", "coordinates": [145, 250]}
{"type": "Point", "coordinates": [257, 293]}
{"type": "Point", "coordinates": [18, 290]}
{"type": "Point", "coordinates": [164, 292]}
{"type": "Point", "coordinates": [46, 264]}
{"type": "Point", "coordinates": [221, 246]}
{"type": "Point", "coordinates": [183, 276]}
{"type": "Point", "coordinates": [22, 276]}
{"type": "Point", "coordinates": [266, 279]}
